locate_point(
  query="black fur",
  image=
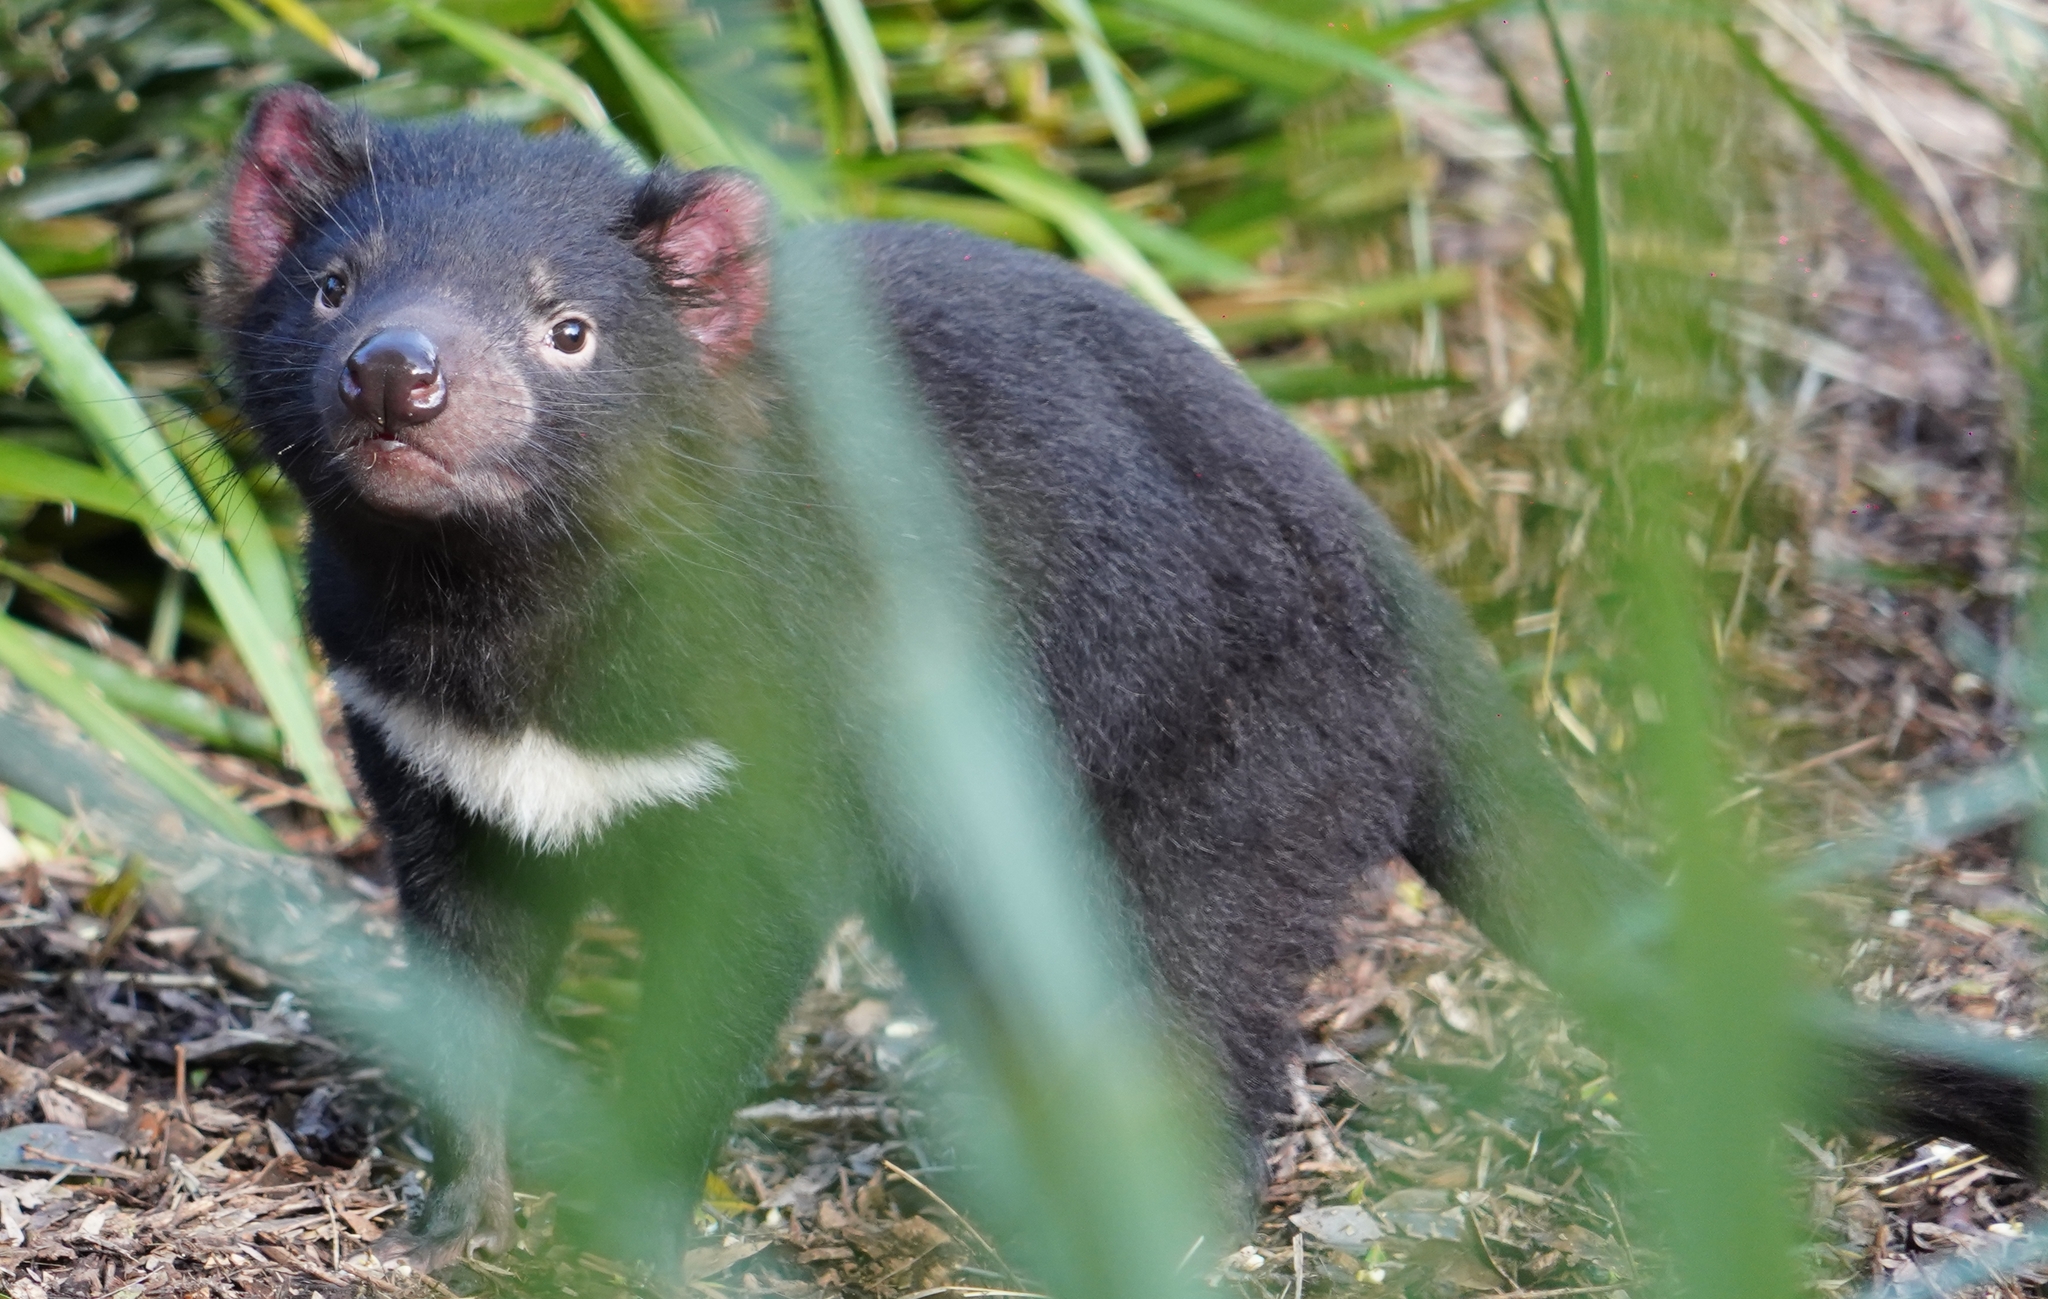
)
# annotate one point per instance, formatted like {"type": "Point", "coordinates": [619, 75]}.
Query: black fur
{"type": "Point", "coordinates": [1262, 693]}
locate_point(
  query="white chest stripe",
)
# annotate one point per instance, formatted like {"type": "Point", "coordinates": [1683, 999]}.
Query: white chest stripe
{"type": "Point", "coordinates": [531, 784]}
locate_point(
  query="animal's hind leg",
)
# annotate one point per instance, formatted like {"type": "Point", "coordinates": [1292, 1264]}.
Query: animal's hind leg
{"type": "Point", "coordinates": [1040, 1110]}
{"type": "Point", "coordinates": [1240, 984]}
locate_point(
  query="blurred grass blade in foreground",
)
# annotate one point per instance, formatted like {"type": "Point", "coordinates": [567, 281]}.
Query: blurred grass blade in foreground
{"type": "Point", "coordinates": [1085, 1141]}
{"type": "Point", "coordinates": [1714, 1076]}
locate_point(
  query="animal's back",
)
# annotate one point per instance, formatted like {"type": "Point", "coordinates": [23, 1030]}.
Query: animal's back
{"type": "Point", "coordinates": [1209, 628]}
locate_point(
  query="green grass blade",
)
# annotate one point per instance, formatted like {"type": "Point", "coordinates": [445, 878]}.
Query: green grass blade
{"type": "Point", "coordinates": [1944, 277]}
{"type": "Point", "coordinates": [114, 421]}
{"type": "Point", "coordinates": [1278, 73]}
{"type": "Point", "coordinates": [1414, 26]}
{"type": "Point", "coordinates": [1084, 223]}
{"type": "Point", "coordinates": [683, 129]}
{"type": "Point", "coordinates": [1589, 225]}
{"type": "Point", "coordinates": [527, 67]}
{"type": "Point", "coordinates": [29, 579]}
{"type": "Point", "coordinates": [275, 664]}
{"type": "Point", "coordinates": [983, 216]}
{"type": "Point", "coordinates": [237, 513]}
{"type": "Point", "coordinates": [1182, 257]}
{"type": "Point", "coordinates": [99, 403]}
{"type": "Point", "coordinates": [299, 16]}
{"type": "Point", "coordinates": [1533, 129]}
{"type": "Point", "coordinates": [1246, 323]}
{"type": "Point", "coordinates": [33, 474]}
{"type": "Point", "coordinates": [807, 40]}
{"type": "Point", "coordinates": [256, 24]}
{"type": "Point", "coordinates": [1292, 383]}
{"type": "Point", "coordinates": [145, 755]}
{"type": "Point", "coordinates": [864, 62]}
{"type": "Point", "coordinates": [1239, 22]}
{"type": "Point", "coordinates": [1105, 75]}
{"type": "Point", "coordinates": [166, 703]}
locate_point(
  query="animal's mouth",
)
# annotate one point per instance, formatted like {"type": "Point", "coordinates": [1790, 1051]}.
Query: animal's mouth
{"type": "Point", "coordinates": [407, 473]}
{"type": "Point", "coordinates": [364, 440]}
{"type": "Point", "coordinates": [397, 476]}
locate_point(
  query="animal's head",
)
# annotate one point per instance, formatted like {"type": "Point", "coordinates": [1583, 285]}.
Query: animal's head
{"type": "Point", "coordinates": [462, 322]}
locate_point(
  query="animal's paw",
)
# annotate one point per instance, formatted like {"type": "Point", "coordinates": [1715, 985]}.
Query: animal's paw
{"type": "Point", "coordinates": [473, 1214]}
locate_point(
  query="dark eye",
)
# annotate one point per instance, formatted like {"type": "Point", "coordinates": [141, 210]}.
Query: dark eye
{"type": "Point", "coordinates": [333, 288]}
{"type": "Point", "coordinates": [571, 335]}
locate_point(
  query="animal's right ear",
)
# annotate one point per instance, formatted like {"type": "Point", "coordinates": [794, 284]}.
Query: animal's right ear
{"type": "Point", "coordinates": [297, 154]}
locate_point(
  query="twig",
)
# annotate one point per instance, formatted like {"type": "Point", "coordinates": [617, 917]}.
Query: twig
{"type": "Point", "coordinates": [77, 1165]}
{"type": "Point", "coordinates": [1933, 1175]}
{"type": "Point", "coordinates": [141, 978]}
{"type": "Point", "coordinates": [958, 1217]}
{"type": "Point", "coordinates": [1479, 1234]}
{"type": "Point", "coordinates": [364, 1275]}
{"type": "Point", "coordinates": [896, 1271]}
{"type": "Point", "coordinates": [93, 1094]}
{"type": "Point", "coordinates": [1863, 745]}
{"type": "Point", "coordinates": [333, 1228]}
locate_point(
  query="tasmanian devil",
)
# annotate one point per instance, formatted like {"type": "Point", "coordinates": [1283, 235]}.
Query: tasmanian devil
{"type": "Point", "coordinates": [583, 591]}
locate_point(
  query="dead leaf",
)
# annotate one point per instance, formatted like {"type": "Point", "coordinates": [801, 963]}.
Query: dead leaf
{"type": "Point", "coordinates": [1424, 1212]}
{"type": "Point", "coordinates": [1346, 1226]}
{"type": "Point", "coordinates": [59, 1144]}
{"type": "Point", "coordinates": [1598, 1250]}
{"type": "Point", "coordinates": [710, 1260]}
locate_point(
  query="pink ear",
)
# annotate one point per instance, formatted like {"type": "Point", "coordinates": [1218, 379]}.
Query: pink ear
{"type": "Point", "coordinates": [290, 161]}
{"type": "Point", "coordinates": [704, 232]}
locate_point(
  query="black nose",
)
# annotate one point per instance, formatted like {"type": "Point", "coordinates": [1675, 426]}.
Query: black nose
{"type": "Point", "coordinates": [395, 378]}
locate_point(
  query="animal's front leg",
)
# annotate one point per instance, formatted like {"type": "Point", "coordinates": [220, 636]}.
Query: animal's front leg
{"type": "Point", "coordinates": [732, 926]}
{"type": "Point", "coordinates": [486, 926]}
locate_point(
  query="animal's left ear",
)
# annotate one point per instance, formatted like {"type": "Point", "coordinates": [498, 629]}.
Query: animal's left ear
{"type": "Point", "coordinates": [706, 232]}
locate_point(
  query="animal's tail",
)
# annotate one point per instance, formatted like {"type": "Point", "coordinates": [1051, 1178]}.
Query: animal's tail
{"type": "Point", "coordinates": [1496, 829]}
{"type": "Point", "coordinates": [1501, 835]}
